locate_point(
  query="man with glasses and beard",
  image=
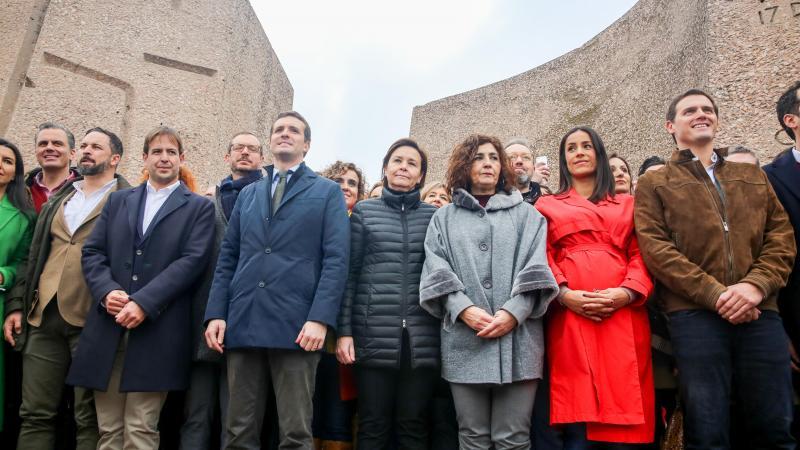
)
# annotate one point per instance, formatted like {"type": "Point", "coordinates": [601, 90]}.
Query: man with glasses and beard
{"type": "Point", "coordinates": [208, 388]}
{"type": "Point", "coordinates": [529, 177]}
{"type": "Point", "coordinates": [48, 306]}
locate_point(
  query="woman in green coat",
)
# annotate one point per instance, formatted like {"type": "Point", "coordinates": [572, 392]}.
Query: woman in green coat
{"type": "Point", "coordinates": [16, 227]}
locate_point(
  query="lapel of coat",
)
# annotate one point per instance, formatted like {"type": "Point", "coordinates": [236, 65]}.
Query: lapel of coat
{"type": "Point", "coordinates": [301, 184]}
{"type": "Point", "coordinates": [175, 200]}
{"type": "Point", "coordinates": [132, 203]}
{"type": "Point", "coordinates": [7, 212]}
{"type": "Point", "coordinates": [786, 171]}
{"type": "Point", "coordinates": [97, 209]}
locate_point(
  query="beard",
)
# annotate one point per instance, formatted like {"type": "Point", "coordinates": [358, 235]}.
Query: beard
{"type": "Point", "coordinates": [523, 179]}
{"type": "Point", "coordinates": [95, 169]}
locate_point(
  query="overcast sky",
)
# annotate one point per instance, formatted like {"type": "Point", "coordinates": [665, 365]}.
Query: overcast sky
{"type": "Point", "coordinates": [358, 67]}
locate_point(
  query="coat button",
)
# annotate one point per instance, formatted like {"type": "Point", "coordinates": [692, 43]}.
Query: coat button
{"type": "Point", "coordinates": [268, 250]}
{"type": "Point", "coordinates": [483, 246]}
{"type": "Point", "coordinates": [481, 213]}
{"type": "Point", "coordinates": [135, 278]}
{"type": "Point", "coordinates": [261, 284]}
{"type": "Point", "coordinates": [138, 253]}
{"type": "Point", "coordinates": [487, 284]}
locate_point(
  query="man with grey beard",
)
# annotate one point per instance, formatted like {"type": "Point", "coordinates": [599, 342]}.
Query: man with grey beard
{"type": "Point", "coordinates": [48, 306]}
{"type": "Point", "coordinates": [529, 177]}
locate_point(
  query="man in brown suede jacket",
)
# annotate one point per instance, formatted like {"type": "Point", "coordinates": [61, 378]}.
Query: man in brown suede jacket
{"type": "Point", "coordinates": [720, 245]}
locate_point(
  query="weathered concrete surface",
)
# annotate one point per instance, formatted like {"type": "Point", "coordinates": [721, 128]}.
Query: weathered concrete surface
{"type": "Point", "coordinates": [622, 81]}
{"type": "Point", "coordinates": [204, 67]}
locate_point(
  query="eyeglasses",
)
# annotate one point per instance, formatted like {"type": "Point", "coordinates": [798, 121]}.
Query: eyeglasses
{"type": "Point", "coordinates": [525, 158]}
{"type": "Point", "coordinates": [350, 182]}
{"type": "Point", "coordinates": [238, 148]}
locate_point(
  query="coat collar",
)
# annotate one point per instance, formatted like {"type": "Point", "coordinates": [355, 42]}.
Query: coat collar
{"type": "Point", "coordinates": [572, 197]}
{"type": "Point", "coordinates": [9, 212]}
{"type": "Point", "coordinates": [133, 204]}
{"type": "Point", "coordinates": [397, 200]}
{"type": "Point", "coordinates": [686, 155]}
{"type": "Point", "coordinates": [786, 172]}
{"type": "Point", "coordinates": [500, 200]}
{"type": "Point", "coordinates": [300, 181]}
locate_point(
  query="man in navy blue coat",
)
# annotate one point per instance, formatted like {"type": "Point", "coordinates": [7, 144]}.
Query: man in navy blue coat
{"type": "Point", "coordinates": [278, 285]}
{"type": "Point", "coordinates": [784, 175]}
{"type": "Point", "coordinates": [141, 262]}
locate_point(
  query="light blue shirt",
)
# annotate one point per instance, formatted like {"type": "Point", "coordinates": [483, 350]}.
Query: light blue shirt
{"type": "Point", "coordinates": [276, 177]}
{"type": "Point", "coordinates": [796, 155]}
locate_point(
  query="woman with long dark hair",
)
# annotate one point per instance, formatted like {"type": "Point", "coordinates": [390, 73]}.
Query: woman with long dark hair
{"type": "Point", "coordinates": [598, 336]}
{"type": "Point", "coordinates": [486, 278]}
{"type": "Point", "coordinates": [16, 229]}
{"type": "Point", "coordinates": [393, 343]}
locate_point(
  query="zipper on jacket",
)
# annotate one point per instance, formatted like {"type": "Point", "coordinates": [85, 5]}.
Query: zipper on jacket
{"type": "Point", "coordinates": [723, 217]}
{"type": "Point", "coordinates": [404, 304]}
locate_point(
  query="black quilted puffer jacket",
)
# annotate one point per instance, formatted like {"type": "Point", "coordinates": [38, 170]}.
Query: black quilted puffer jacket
{"type": "Point", "coordinates": [387, 237]}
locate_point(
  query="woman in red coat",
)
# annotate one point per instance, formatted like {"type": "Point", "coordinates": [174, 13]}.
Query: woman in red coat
{"type": "Point", "coordinates": [598, 336]}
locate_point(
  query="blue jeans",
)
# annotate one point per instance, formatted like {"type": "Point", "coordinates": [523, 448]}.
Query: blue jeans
{"type": "Point", "coordinates": [710, 354]}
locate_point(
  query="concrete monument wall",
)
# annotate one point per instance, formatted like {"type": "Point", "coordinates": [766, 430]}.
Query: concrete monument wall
{"type": "Point", "coordinates": [204, 67]}
{"type": "Point", "coordinates": [743, 52]}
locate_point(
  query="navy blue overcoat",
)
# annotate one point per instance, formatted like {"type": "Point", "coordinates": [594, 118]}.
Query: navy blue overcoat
{"type": "Point", "coordinates": [275, 272]}
{"type": "Point", "coordinates": [159, 272]}
{"type": "Point", "coordinates": [784, 175]}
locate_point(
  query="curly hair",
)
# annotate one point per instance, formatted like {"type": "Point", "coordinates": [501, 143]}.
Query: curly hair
{"type": "Point", "coordinates": [460, 165]}
{"type": "Point", "coordinates": [340, 168]}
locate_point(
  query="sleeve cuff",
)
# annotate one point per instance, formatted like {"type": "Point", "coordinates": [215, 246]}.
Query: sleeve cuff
{"type": "Point", "coordinates": [520, 308]}
{"type": "Point", "coordinates": [455, 304]}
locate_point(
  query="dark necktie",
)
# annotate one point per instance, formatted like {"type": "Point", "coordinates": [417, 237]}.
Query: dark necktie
{"type": "Point", "coordinates": [277, 196]}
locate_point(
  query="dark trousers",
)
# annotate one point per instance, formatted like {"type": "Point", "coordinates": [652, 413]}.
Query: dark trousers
{"type": "Point", "coordinates": [292, 374]}
{"type": "Point", "coordinates": [444, 425]}
{"type": "Point", "coordinates": [391, 399]}
{"type": "Point", "coordinates": [333, 417]}
{"type": "Point", "coordinates": [544, 436]}
{"type": "Point", "coordinates": [206, 399]}
{"type": "Point", "coordinates": [711, 354]}
{"type": "Point", "coordinates": [45, 362]}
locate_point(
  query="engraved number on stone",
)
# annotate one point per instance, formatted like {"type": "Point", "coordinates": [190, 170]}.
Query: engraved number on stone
{"type": "Point", "coordinates": [768, 13]}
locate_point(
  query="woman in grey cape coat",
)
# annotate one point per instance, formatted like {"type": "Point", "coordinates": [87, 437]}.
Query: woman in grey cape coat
{"type": "Point", "coordinates": [486, 276]}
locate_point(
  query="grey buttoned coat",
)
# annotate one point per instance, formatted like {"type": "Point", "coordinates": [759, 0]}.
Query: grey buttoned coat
{"type": "Point", "coordinates": [493, 258]}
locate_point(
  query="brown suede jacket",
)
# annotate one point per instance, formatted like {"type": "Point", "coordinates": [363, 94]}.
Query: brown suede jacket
{"type": "Point", "coordinates": [697, 242]}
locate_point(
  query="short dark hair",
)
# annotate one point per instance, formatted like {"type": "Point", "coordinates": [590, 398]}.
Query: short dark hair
{"type": "Point", "coordinates": [242, 133]}
{"type": "Point", "coordinates": [16, 190]}
{"type": "Point", "coordinates": [460, 166]}
{"type": "Point", "coordinates": [603, 179]}
{"type": "Point", "coordinates": [116, 142]}
{"type": "Point", "coordinates": [672, 111]}
{"type": "Point", "coordinates": [789, 103]}
{"type": "Point", "coordinates": [162, 131]}
{"type": "Point", "coordinates": [650, 162]}
{"type": "Point", "coordinates": [298, 116]}
{"type": "Point", "coordinates": [406, 142]}
{"type": "Point", "coordinates": [55, 126]}
{"type": "Point", "coordinates": [340, 168]}
{"type": "Point", "coordinates": [741, 150]}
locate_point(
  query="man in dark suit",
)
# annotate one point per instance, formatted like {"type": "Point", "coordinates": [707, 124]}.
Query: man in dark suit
{"type": "Point", "coordinates": [784, 175]}
{"type": "Point", "coordinates": [141, 261]}
{"type": "Point", "coordinates": [278, 285]}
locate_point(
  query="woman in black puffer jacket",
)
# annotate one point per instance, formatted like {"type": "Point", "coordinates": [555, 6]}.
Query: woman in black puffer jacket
{"type": "Point", "coordinates": [383, 330]}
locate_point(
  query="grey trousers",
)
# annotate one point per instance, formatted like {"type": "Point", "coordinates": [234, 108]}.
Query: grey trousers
{"type": "Point", "coordinates": [45, 362]}
{"type": "Point", "coordinates": [207, 394]}
{"type": "Point", "coordinates": [494, 416]}
{"type": "Point", "coordinates": [292, 374]}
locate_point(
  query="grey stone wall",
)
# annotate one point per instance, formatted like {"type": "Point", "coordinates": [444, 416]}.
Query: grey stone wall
{"type": "Point", "coordinates": [204, 67]}
{"type": "Point", "coordinates": [622, 81]}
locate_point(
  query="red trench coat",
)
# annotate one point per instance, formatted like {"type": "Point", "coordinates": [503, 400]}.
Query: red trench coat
{"type": "Point", "coordinates": [600, 373]}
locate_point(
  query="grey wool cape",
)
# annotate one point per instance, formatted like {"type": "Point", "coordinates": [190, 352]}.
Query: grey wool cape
{"type": "Point", "coordinates": [493, 258]}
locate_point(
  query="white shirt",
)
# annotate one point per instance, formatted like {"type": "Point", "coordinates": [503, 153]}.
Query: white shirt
{"type": "Point", "coordinates": [276, 177]}
{"type": "Point", "coordinates": [154, 201]}
{"type": "Point", "coordinates": [796, 155]}
{"type": "Point", "coordinates": [710, 169]}
{"type": "Point", "coordinates": [80, 205]}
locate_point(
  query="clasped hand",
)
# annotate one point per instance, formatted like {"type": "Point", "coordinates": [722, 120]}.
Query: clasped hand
{"type": "Point", "coordinates": [739, 303]}
{"type": "Point", "coordinates": [125, 311]}
{"type": "Point", "coordinates": [598, 305]}
{"type": "Point", "coordinates": [488, 326]}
